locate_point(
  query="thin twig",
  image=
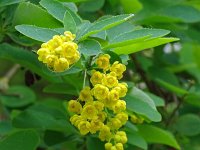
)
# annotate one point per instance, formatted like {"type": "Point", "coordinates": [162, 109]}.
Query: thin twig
{"type": "Point", "coordinates": [180, 102]}
{"type": "Point", "coordinates": [151, 86]}
{"type": "Point", "coordinates": [12, 71]}
{"type": "Point", "coordinates": [85, 77]}
{"type": "Point", "coordinates": [4, 81]}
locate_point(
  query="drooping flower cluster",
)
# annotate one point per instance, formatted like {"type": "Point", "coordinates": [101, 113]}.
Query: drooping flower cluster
{"type": "Point", "coordinates": [99, 109]}
{"type": "Point", "coordinates": [60, 52]}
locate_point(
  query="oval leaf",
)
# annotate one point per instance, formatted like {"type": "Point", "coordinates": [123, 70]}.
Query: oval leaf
{"type": "Point", "coordinates": [36, 33]}
{"type": "Point", "coordinates": [188, 125]}
{"type": "Point", "coordinates": [105, 24]}
{"type": "Point", "coordinates": [35, 16]}
{"type": "Point", "coordinates": [154, 134]}
{"type": "Point", "coordinates": [142, 104]}
{"type": "Point", "coordinates": [18, 96]}
{"type": "Point", "coordinates": [21, 140]}
{"type": "Point", "coordinates": [90, 47]}
{"type": "Point", "coordinates": [69, 23]}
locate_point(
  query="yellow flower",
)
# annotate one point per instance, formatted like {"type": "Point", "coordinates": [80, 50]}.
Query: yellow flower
{"type": "Point", "coordinates": [85, 94]}
{"type": "Point", "coordinates": [136, 119]}
{"type": "Point", "coordinates": [60, 65]}
{"type": "Point", "coordinates": [100, 92]}
{"type": "Point", "coordinates": [118, 68]}
{"type": "Point", "coordinates": [74, 106]}
{"type": "Point", "coordinates": [113, 148]}
{"type": "Point", "coordinates": [98, 105]}
{"type": "Point", "coordinates": [105, 134]}
{"type": "Point", "coordinates": [110, 81]}
{"type": "Point", "coordinates": [114, 124]}
{"type": "Point", "coordinates": [69, 36]}
{"type": "Point", "coordinates": [58, 40]}
{"type": "Point", "coordinates": [79, 119]}
{"type": "Point", "coordinates": [117, 138]}
{"type": "Point", "coordinates": [74, 118]}
{"type": "Point", "coordinates": [69, 49]}
{"type": "Point", "coordinates": [123, 117]}
{"type": "Point", "coordinates": [43, 53]}
{"type": "Point", "coordinates": [113, 95]}
{"type": "Point", "coordinates": [102, 113]}
{"type": "Point", "coordinates": [96, 78]}
{"type": "Point", "coordinates": [122, 89]}
{"type": "Point", "coordinates": [59, 52]}
{"type": "Point", "coordinates": [108, 146]}
{"type": "Point", "coordinates": [96, 125]}
{"type": "Point", "coordinates": [119, 146]}
{"type": "Point", "coordinates": [101, 116]}
{"type": "Point", "coordinates": [84, 127]}
{"type": "Point", "coordinates": [74, 59]}
{"type": "Point", "coordinates": [51, 44]}
{"type": "Point", "coordinates": [103, 62]}
{"type": "Point", "coordinates": [89, 111]}
{"type": "Point", "coordinates": [119, 106]}
{"type": "Point", "coordinates": [123, 137]}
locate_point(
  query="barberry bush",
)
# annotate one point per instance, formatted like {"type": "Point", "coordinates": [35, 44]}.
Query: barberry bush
{"type": "Point", "coordinates": [99, 75]}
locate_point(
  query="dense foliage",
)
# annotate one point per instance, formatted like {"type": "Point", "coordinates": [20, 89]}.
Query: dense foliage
{"type": "Point", "coordinates": [99, 74]}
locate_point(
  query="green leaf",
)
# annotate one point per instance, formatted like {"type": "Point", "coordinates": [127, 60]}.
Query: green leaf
{"type": "Point", "coordinates": [94, 143]}
{"type": "Point", "coordinates": [157, 100]}
{"type": "Point", "coordinates": [130, 126]}
{"type": "Point", "coordinates": [29, 59]}
{"type": "Point", "coordinates": [21, 140]}
{"type": "Point", "coordinates": [9, 2]}
{"type": "Point", "coordinates": [169, 12]}
{"type": "Point", "coordinates": [74, 69]}
{"type": "Point", "coordinates": [119, 29]}
{"type": "Point", "coordinates": [75, 1]}
{"type": "Point", "coordinates": [154, 134]}
{"type": "Point", "coordinates": [163, 74]}
{"type": "Point", "coordinates": [35, 16]}
{"type": "Point", "coordinates": [185, 13]}
{"type": "Point", "coordinates": [43, 117]}
{"type": "Point", "coordinates": [131, 6]}
{"type": "Point", "coordinates": [188, 125]}
{"type": "Point", "coordinates": [136, 36]}
{"type": "Point", "coordinates": [22, 40]}
{"type": "Point", "coordinates": [57, 10]}
{"type": "Point", "coordinates": [105, 24]}
{"type": "Point", "coordinates": [92, 5]}
{"type": "Point", "coordinates": [171, 87]}
{"type": "Point", "coordinates": [60, 88]}
{"type": "Point", "coordinates": [18, 96]}
{"type": "Point", "coordinates": [90, 47]}
{"type": "Point", "coordinates": [133, 48]}
{"type": "Point", "coordinates": [50, 140]}
{"type": "Point", "coordinates": [5, 127]}
{"type": "Point", "coordinates": [26, 59]}
{"type": "Point", "coordinates": [140, 103]}
{"type": "Point", "coordinates": [135, 139]}
{"type": "Point", "coordinates": [36, 33]}
{"type": "Point", "coordinates": [71, 6]}
{"type": "Point", "coordinates": [193, 99]}
{"type": "Point", "coordinates": [69, 23]}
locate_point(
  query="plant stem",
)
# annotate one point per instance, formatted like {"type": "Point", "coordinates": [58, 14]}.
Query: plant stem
{"type": "Point", "coordinates": [85, 77]}
{"type": "Point", "coordinates": [179, 103]}
{"type": "Point", "coordinates": [12, 71]}
{"type": "Point", "coordinates": [6, 78]}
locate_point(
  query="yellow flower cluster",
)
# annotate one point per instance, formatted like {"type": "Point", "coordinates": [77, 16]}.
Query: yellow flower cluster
{"type": "Point", "coordinates": [136, 119]}
{"type": "Point", "coordinates": [60, 52]}
{"type": "Point", "coordinates": [99, 109]}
